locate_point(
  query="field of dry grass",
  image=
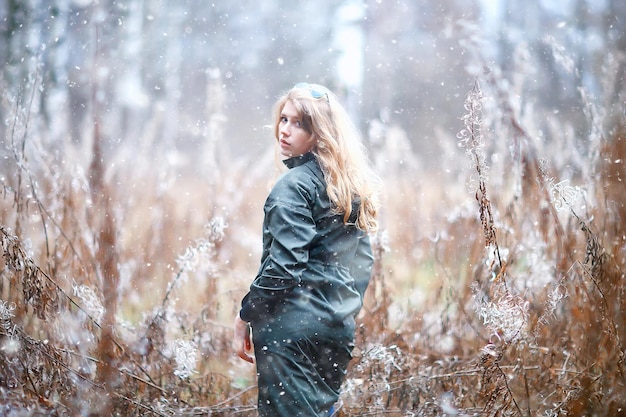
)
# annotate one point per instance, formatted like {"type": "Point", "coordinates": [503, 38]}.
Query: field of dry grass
{"type": "Point", "coordinates": [498, 288]}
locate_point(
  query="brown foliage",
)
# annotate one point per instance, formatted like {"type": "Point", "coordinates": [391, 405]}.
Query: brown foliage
{"type": "Point", "coordinates": [507, 305]}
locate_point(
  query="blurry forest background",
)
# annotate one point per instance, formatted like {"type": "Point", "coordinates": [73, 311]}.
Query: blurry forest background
{"type": "Point", "coordinates": [136, 156]}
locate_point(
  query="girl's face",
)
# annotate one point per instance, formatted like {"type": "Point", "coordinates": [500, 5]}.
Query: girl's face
{"type": "Point", "coordinates": [293, 139]}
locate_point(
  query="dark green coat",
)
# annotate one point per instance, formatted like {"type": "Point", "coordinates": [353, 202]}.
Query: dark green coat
{"type": "Point", "coordinates": [302, 303]}
{"type": "Point", "coordinates": [313, 265]}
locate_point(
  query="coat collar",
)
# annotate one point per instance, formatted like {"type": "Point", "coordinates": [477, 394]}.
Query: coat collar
{"type": "Point", "coordinates": [299, 160]}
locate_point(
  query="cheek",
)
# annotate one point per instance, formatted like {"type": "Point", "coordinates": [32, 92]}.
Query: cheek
{"type": "Point", "coordinates": [311, 142]}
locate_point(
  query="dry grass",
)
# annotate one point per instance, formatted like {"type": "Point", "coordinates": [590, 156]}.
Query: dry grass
{"type": "Point", "coordinates": [119, 282]}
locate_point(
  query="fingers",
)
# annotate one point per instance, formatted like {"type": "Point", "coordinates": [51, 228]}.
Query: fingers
{"type": "Point", "coordinates": [245, 356]}
{"type": "Point", "coordinates": [248, 343]}
{"type": "Point", "coordinates": [243, 347]}
{"type": "Point", "coordinates": [242, 340]}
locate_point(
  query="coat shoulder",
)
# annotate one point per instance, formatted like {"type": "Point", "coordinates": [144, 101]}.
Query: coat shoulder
{"type": "Point", "coordinates": [297, 183]}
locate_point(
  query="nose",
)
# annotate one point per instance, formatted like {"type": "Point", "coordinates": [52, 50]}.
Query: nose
{"type": "Point", "coordinates": [284, 129]}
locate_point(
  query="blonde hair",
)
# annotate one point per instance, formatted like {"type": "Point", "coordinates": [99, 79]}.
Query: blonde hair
{"type": "Point", "coordinates": [339, 150]}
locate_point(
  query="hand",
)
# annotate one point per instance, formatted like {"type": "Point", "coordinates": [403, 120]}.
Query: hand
{"type": "Point", "coordinates": [242, 340]}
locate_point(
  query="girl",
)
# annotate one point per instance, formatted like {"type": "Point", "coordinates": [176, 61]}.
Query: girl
{"type": "Point", "coordinates": [316, 264]}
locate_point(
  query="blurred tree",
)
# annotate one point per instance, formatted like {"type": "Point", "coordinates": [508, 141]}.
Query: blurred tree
{"type": "Point", "coordinates": [130, 86]}
{"type": "Point", "coordinates": [154, 62]}
{"type": "Point", "coordinates": [616, 38]}
{"type": "Point", "coordinates": [564, 57]}
{"type": "Point", "coordinates": [414, 68]}
{"type": "Point", "coordinates": [20, 39]}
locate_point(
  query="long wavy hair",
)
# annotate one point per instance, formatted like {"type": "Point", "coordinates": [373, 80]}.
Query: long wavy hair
{"type": "Point", "coordinates": [339, 150]}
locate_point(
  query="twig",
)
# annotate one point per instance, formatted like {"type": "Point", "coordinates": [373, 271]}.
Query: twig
{"type": "Point", "coordinates": [234, 397]}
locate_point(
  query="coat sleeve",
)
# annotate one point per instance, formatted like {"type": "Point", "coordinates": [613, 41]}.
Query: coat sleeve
{"type": "Point", "coordinates": [289, 229]}
{"type": "Point", "coordinates": [361, 268]}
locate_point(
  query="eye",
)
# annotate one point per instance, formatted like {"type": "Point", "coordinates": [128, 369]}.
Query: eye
{"type": "Point", "coordinates": [283, 119]}
{"type": "Point", "coordinates": [298, 123]}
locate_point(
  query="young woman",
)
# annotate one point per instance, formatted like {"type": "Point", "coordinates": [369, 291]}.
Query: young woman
{"type": "Point", "coordinates": [316, 262]}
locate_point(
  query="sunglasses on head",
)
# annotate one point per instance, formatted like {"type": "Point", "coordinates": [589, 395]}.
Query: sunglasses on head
{"type": "Point", "coordinates": [316, 93]}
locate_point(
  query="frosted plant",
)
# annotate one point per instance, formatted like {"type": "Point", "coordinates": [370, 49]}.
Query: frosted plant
{"type": "Point", "coordinates": [505, 314]}
{"type": "Point", "coordinates": [490, 349]}
{"type": "Point", "coordinates": [204, 246]}
{"type": "Point", "coordinates": [562, 195]}
{"type": "Point", "coordinates": [185, 356]}
{"type": "Point", "coordinates": [216, 229]}
{"type": "Point", "coordinates": [471, 138]}
{"type": "Point", "coordinates": [351, 385]}
{"type": "Point", "coordinates": [11, 344]}
{"type": "Point", "coordinates": [90, 301]}
{"type": "Point", "coordinates": [6, 314]}
{"type": "Point", "coordinates": [188, 260]}
{"type": "Point", "coordinates": [555, 297]}
{"type": "Point", "coordinates": [389, 356]}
